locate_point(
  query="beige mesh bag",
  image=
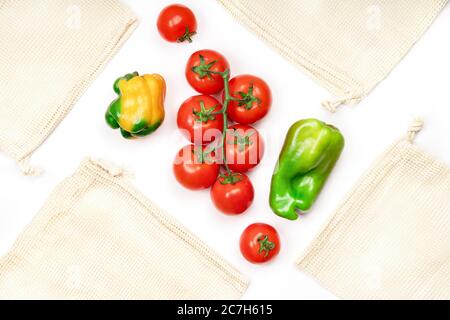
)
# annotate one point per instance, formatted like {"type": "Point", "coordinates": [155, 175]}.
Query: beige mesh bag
{"type": "Point", "coordinates": [391, 237]}
{"type": "Point", "coordinates": [99, 238]}
{"type": "Point", "coordinates": [50, 52]}
{"type": "Point", "coordinates": [347, 46]}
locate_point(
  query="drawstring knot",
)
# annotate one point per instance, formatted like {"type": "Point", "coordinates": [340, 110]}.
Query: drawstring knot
{"type": "Point", "coordinates": [414, 129]}
{"type": "Point", "coordinates": [112, 169]}
{"type": "Point", "coordinates": [28, 169]}
{"type": "Point", "coordinates": [348, 99]}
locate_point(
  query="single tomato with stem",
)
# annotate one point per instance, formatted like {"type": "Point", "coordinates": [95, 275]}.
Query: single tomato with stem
{"type": "Point", "coordinates": [200, 119]}
{"type": "Point", "coordinates": [259, 243]}
{"type": "Point", "coordinates": [244, 148]}
{"type": "Point", "coordinates": [195, 167]}
{"type": "Point", "coordinates": [232, 193]}
{"type": "Point", "coordinates": [252, 99]}
{"type": "Point", "coordinates": [204, 71]}
{"type": "Point", "coordinates": [177, 23]}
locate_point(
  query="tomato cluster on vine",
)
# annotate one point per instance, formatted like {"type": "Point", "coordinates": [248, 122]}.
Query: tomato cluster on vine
{"type": "Point", "coordinates": [221, 153]}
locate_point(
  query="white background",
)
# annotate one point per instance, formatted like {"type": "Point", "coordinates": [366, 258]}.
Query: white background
{"type": "Point", "coordinates": [420, 85]}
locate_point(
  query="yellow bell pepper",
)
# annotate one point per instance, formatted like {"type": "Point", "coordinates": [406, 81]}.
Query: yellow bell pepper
{"type": "Point", "coordinates": [139, 109]}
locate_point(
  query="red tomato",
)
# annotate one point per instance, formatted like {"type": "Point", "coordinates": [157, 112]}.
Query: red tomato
{"type": "Point", "coordinates": [232, 194]}
{"type": "Point", "coordinates": [244, 148]}
{"type": "Point", "coordinates": [198, 71]}
{"type": "Point", "coordinates": [255, 99]}
{"type": "Point", "coordinates": [259, 243]}
{"type": "Point", "coordinates": [197, 121]}
{"type": "Point", "coordinates": [194, 168]}
{"type": "Point", "coordinates": [177, 23]}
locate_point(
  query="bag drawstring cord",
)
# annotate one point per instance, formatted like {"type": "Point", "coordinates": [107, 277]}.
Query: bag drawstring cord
{"type": "Point", "coordinates": [414, 129]}
{"type": "Point", "coordinates": [28, 169]}
{"type": "Point", "coordinates": [112, 169]}
{"type": "Point", "coordinates": [348, 99]}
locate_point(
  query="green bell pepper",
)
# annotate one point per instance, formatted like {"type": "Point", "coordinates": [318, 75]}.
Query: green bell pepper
{"type": "Point", "coordinates": [309, 154]}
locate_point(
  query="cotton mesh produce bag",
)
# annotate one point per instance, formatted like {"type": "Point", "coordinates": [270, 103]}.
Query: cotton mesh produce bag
{"type": "Point", "coordinates": [347, 46]}
{"type": "Point", "coordinates": [97, 237]}
{"type": "Point", "coordinates": [391, 237]}
{"type": "Point", "coordinates": [50, 52]}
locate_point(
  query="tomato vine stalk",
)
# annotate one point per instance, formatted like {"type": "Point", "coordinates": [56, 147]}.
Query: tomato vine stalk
{"type": "Point", "coordinates": [230, 177]}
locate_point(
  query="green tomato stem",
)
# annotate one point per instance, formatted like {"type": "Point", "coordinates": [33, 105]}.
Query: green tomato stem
{"type": "Point", "coordinates": [265, 246]}
{"type": "Point", "coordinates": [228, 98]}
